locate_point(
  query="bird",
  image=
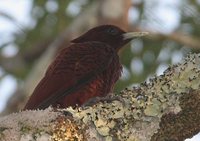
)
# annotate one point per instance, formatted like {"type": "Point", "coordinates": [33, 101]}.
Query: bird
{"type": "Point", "coordinates": [87, 68]}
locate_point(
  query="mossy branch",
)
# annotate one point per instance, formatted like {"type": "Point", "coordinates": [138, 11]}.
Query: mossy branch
{"type": "Point", "coordinates": [165, 108]}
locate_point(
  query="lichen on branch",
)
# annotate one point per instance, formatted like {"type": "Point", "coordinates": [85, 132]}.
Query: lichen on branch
{"type": "Point", "coordinates": [151, 111]}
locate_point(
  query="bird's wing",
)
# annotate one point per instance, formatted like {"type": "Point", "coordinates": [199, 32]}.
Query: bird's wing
{"type": "Point", "coordinates": [73, 67]}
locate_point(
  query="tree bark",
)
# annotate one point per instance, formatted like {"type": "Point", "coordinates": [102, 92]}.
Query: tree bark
{"type": "Point", "coordinates": [165, 108]}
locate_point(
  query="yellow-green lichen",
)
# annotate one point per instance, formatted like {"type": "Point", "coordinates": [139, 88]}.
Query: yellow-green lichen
{"type": "Point", "coordinates": [24, 128]}
{"type": "Point", "coordinates": [134, 118]}
{"type": "Point", "coordinates": [129, 120]}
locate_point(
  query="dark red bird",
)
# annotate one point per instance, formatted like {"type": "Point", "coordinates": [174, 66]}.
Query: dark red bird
{"type": "Point", "coordinates": [87, 68]}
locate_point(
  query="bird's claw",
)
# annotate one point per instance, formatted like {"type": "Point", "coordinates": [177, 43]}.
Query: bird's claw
{"type": "Point", "coordinates": [108, 99]}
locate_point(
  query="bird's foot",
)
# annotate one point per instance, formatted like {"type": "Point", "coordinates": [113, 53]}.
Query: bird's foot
{"type": "Point", "coordinates": [108, 99]}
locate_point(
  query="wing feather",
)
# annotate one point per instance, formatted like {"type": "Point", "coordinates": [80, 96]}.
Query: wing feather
{"type": "Point", "coordinates": [73, 68]}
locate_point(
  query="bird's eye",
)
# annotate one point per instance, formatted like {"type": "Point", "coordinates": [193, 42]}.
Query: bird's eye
{"type": "Point", "coordinates": [112, 31]}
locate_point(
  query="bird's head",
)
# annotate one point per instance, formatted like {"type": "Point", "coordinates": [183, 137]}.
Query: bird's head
{"type": "Point", "coordinates": [109, 34]}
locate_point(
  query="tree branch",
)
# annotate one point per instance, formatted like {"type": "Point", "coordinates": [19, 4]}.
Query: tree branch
{"type": "Point", "coordinates": [181, 38]}
{"type": "Point", "coordinates": [166, 108]}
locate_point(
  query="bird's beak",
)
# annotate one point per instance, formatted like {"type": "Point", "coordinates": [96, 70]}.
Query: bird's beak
{"type": "Point", "coordinates": [131, 35]}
